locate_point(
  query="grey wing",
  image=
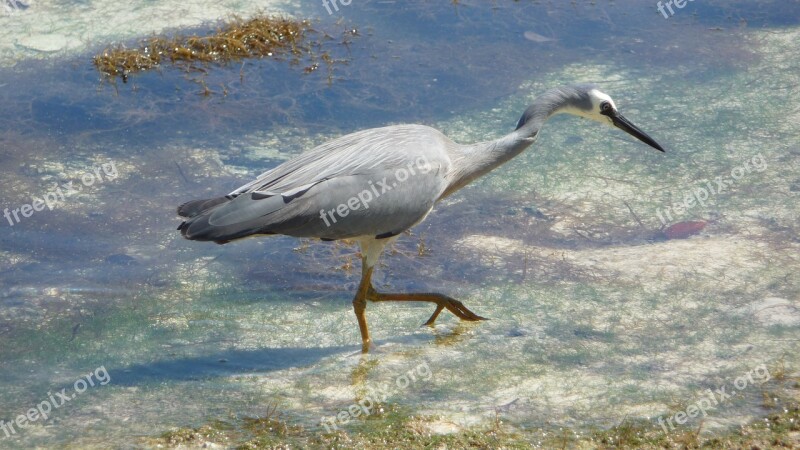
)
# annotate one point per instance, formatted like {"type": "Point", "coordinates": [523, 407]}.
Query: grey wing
{"type": "Point", "coordinates": [391, 147]}
{"type": "Point", "coordinates": [377, 182]}
{"type": "Point", "coordinates": [374, 204]}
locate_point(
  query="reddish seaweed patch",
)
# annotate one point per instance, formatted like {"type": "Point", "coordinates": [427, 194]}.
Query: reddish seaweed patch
{"type": "Point", "coordinates": [683, 230]}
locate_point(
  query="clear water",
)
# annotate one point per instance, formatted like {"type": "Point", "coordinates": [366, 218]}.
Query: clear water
{"type": "Point", "coordinates": [595, 315]}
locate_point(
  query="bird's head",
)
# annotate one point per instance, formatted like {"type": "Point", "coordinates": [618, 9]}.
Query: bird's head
{"type": "Point", "coordinates": [584, 101]}
{"type": "Point", "coordinates": [593, 104]}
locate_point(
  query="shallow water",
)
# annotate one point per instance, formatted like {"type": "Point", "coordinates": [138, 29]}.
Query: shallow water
{"type": "Point", "coordinates": [595, 315]}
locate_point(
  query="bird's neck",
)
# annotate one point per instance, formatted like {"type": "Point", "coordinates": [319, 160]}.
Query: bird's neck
{"type": "Point", "coordinates": [473, 161]}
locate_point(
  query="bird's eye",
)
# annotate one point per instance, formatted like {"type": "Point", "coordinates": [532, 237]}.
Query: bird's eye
{"type": "Point", "coordinates": [606, 107]}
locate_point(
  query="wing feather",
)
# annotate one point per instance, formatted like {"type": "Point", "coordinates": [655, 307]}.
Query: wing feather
{"type": "Point", "coordinates": [331, 192]}
{"type": "Point", "coordinates": [360, 153]}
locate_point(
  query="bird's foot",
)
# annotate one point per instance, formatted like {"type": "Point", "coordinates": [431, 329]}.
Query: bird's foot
{"type": "Point", "coordinates": [442, 302]}
{"type": "Point", "coordinates": [456, 307]}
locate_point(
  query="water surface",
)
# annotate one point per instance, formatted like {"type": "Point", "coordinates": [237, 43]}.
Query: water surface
{"type": "Point", "coordinates": [595, 315]}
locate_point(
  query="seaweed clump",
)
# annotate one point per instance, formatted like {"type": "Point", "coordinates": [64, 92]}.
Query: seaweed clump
{"type": "Point", "coordinates": [264, 36]}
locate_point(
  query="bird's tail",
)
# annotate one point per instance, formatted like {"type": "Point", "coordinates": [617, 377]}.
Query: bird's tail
{"type": "Point", "coordinates": [224, 219]}
{"type": "Point", "coordinates": [195, 210]}
{"type": "Point", "coordinates": [195, 207]}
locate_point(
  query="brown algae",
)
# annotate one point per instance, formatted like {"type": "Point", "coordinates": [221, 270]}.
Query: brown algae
{"type": "Point", "coordinates": [261, 36]}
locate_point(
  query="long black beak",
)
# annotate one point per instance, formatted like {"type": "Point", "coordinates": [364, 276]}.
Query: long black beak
{"type": "Point", "coordinates": [623, 124]}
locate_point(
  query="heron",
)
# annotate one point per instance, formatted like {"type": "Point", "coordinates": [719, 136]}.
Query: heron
{"type": "Point", "coordinates": [372, 185]}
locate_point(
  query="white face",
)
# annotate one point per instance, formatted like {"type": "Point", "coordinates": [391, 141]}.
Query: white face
{"type": "Point", "coordinates": [598, 100]}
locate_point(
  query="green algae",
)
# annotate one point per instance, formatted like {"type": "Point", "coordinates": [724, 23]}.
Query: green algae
{"type": "Point", "coordinates": [398, 427]}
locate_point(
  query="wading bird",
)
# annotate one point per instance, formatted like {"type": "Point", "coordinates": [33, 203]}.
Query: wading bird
{"type": "Point", "coordinates": [372, 185]}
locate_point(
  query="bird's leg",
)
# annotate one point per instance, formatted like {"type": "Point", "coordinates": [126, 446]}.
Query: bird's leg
{"type": "Point", "coordinates": [371, 250]}
{"type": "Point", "coordinates": [442, 302]}
{"type": "Point", "coordinates": [360, 306]}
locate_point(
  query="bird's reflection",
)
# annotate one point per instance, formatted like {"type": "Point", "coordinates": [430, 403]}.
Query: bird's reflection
{"type": "Point", "coordinates": [364, 379]}
{"type": "Point", "coordinates": [447, 337]}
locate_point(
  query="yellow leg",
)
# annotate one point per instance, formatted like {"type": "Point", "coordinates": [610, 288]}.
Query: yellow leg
{"type": "Point", "coordinates": [360, 306]}
{"type": "Point", "coordinates": [367, 292]}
